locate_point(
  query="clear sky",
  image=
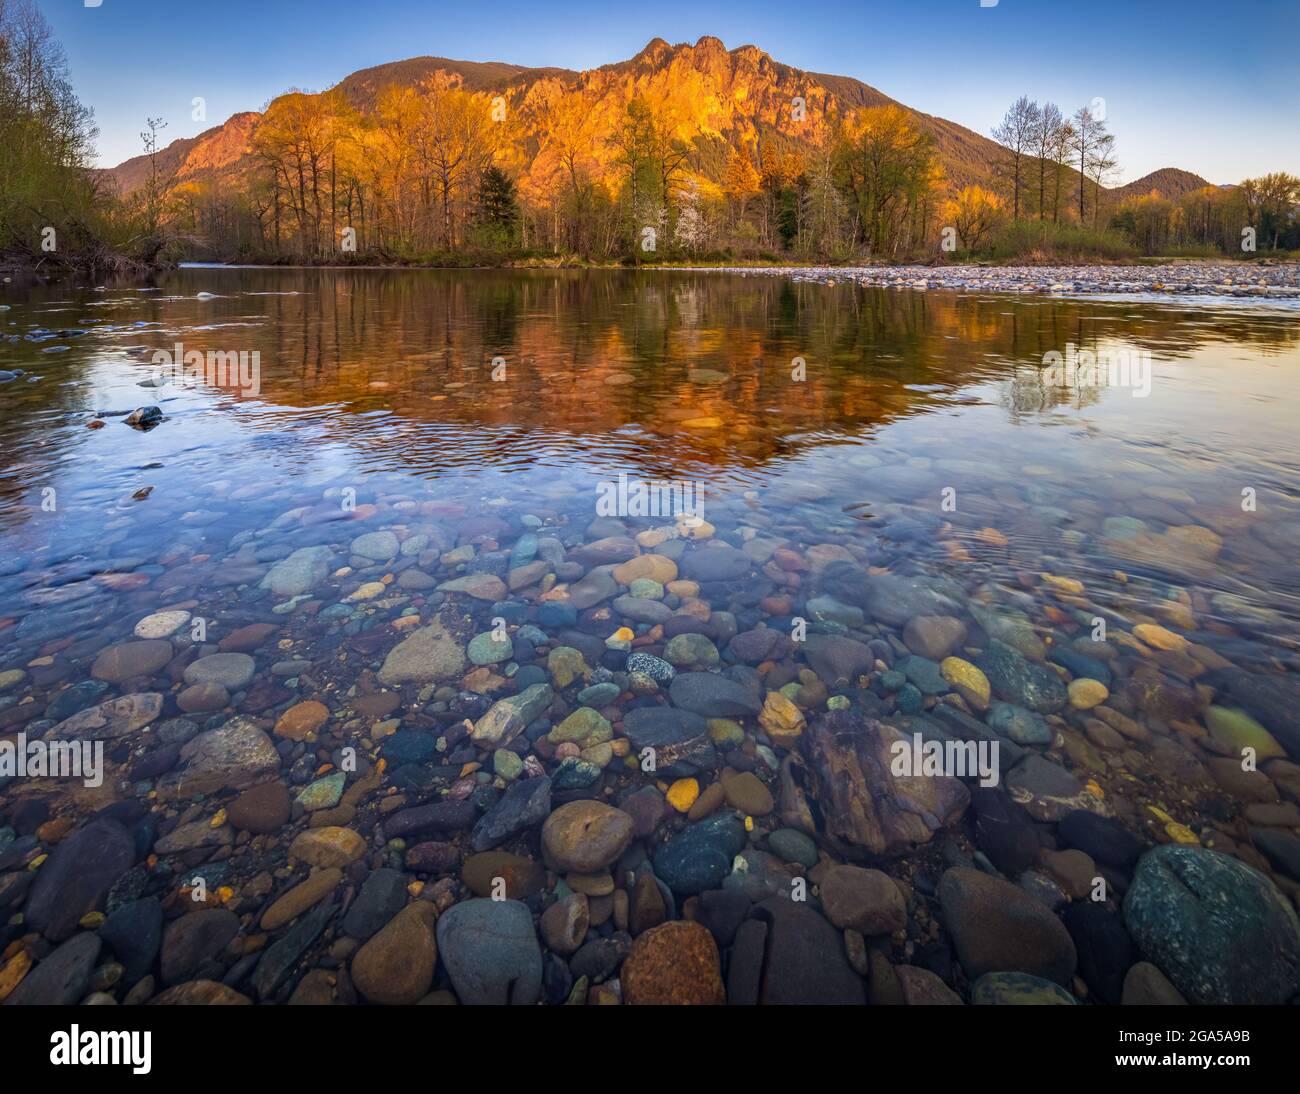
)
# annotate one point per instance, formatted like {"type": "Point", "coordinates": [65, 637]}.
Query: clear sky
{"type": "Point", "coordinates": [1211, 86]}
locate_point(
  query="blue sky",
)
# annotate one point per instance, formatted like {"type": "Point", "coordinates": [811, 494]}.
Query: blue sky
{"type": "Point", "coordinates": [1212, 87]}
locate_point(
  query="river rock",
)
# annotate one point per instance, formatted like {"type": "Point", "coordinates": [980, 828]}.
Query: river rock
{"type": "Point", "coordinates": [866, 901]}
{"type": "Point", "coordinates": [720, 562]}
{"type": "Point", "coordinates": [302, 571]}
{"type": "Point", "coordinates": [1018, 680]}
{"type": "Point", "coordinates": [509, 717]}
{"type": "Point", "coordinates": [713, 695]}
{"type": "Point", "coordinates": [382, 896]}
{"type": "Point", "coordinates": [490, 951]}
{"type": "Point", "coordinates": [193, 939]}
{"type": "Point", "coordinates": [674, 963]}
{"type": "Point", "coordinates": [233, 755]}
{"type": "Point", "coordinates": [585, 836]}
{"type": "Point", "coordinates": [997, 927]}
{"type": "Point", "coordinates": [1218, 929]}
{"type": "Point", "coordinates": [62, 978]}
{"type": "Point", "coordinates": [700, 856]}
{"type": "Point", "coordinates": [395, 968]}
{"type": "Point", "coordinates": [228, 670]}
{"type": "Point", "coordinates": [77, 876]}
{"type": "Point", "coordinates": [525, 804]}
{"type": "Point", "coordinates": [131, 660]}
{"type": "Point", "coordinates": [428, 655]}
{"type": "Point", "coordinates": [867, 809]}
{"type": "Point", "coordinates": [110, 720]}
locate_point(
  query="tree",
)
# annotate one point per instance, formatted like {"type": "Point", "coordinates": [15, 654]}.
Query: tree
{"type": "Point", "coordinates": [1044, 140]}
{"type": "Point", "coordinates": [1271, 204]}
{"type": "Point", "coordinates": [975, 212]}
{"type": "Point", "coordinates": [496, 206]}
{"type": "Point", "coordinates": [1016, 133]}
{"type": "Point", "coordinates": [885, 164]}
{"type": "Point", "coordinates": [1093, 150]}
{"type": "Point", "coordinates": [46, 140]}
{"type": "Point", "coordinates": [741, 182]}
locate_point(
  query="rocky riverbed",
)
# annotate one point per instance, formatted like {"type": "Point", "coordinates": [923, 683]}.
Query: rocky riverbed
{"type": "Point", "coordinates": [427, 750]}
{"type": "Point", "coordinates": [1263, 280]}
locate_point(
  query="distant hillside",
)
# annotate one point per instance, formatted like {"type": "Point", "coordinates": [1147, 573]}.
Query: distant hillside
{"type": "Point", "coordinates": [1171, 182]}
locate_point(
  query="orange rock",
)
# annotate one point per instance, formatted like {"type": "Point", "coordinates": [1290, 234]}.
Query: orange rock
{"type": "Point", "coordinates": [674, 963]}
{"type": "Point", "coordinates": [301, 721]}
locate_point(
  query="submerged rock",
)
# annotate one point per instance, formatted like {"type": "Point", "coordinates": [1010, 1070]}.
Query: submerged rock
{"type": "Point", "coordinates": [1221, 931]}
{"type": "Point", "coordinates": [866, 808]}
{"type": "Point", "coordinates": [429, 655]}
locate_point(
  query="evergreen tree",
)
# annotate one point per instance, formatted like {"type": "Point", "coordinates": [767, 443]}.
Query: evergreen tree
{"type": "Point", "coordinates": [496, 202]}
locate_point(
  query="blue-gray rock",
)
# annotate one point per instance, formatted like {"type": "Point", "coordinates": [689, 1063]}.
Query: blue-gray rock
{"type": "Point", "coordinates": [700, 856]}
{"type": "Point", "coordinates": [281, 956]}
{"type": "Point", "coordinates": [1020, 725]}
{"type": "Point", "coordinates": [1218, 929]}
{"type": "Point", "coordinates": [713, 695]}
{"type": "Point", "coordinates": [134, 934]}
{"type": "Point", "coordinates": [490, 951]}
{"type": "Point", "coordinates": [77, 876]}
{"type": "Point", "coordinates": [1018, 680]}
{"type": "Point", "coordinates": [62, 978]}
{"type": "Point", "coordinates": [382, 896]}
{"type": "Point", "coordinates": [526, 803]}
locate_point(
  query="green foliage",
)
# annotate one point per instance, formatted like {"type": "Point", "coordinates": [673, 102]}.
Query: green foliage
{"type": "Point", "coordinates": [496, 207]}
{"type": "Point", "coordinates": [1043, 241]}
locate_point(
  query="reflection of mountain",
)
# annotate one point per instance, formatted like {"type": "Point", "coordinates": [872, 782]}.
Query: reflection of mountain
{"type": "Point", "coordinates": [674, 374]}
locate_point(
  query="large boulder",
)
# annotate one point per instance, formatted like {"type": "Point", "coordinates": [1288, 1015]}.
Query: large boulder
{"type": "Point", "coordinates": [998, 927]}
{"type": "Point", "coordinates": [490, 951]}
{"type": "Point", "coordinates": [77, 877]}
{"type": "Point", "coordinates": [1218, 929]}
{"type": "Point", "coordinates": [867, 809]}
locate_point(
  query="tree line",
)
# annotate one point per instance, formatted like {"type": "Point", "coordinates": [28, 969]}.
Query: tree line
{"type": "Point", "coordinates": [432, 173]}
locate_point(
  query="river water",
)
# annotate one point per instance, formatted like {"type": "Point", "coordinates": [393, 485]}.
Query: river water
{"type": "Point", "coordinates": [1099, 495]}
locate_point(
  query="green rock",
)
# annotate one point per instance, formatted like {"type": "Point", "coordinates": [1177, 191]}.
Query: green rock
{"type": "Point", "coordinates": [485, 649]}
{"type": "Point", "coordinates": [791, 845]}
{"type": "Point", "coordinates": [509, 765]}
{"type": "Point", "coordinates": [598, 695]}
{"type": "Point", "coordinates": [323, 793]}
{"type": "Point", "coordinates": [584, 726]}
{"type": "Point", "coordinates": [1019, 989]}
{"type": "Point", "coordinates": [691, 651]}
{"type": "Point", "coordinates": [646, 588]}
{"type": "Point", "coordinates": [725, 733]}
{"type": "Point", "coordinates": [565, 664]}
{"type": "Point", "coordinates": [1237, 730]}
{"type": "Point", "coordinates": [1219, 930]}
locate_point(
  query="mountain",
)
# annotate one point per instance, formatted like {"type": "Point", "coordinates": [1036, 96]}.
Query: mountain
{"type": "Point", "coordinates": [1170, 182]}
{"type": "Point", "coordinates": [721, 99]}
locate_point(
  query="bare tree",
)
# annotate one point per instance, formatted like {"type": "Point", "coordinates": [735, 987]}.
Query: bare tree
{"type": "Point", "coordinates": [1016, 134]}
{"type": "Point", "coordinates": [1093, 149]}
{"type": "Point", "coordinates": [1044, 138]}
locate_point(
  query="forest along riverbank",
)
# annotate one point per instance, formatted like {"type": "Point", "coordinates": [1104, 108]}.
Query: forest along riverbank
{"type": "Point", "coordinates": [1272, 281]}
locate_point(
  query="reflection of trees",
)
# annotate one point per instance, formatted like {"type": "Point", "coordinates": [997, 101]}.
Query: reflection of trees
{"type": "Point", "coordinates": [676, 372]}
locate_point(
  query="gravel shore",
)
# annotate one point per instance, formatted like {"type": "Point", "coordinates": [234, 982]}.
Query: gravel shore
{"type": "Point", "coordinates": [1274, 281]}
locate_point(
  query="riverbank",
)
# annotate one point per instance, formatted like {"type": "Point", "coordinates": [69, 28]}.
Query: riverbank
{"type": "Point", "coordinates": [1241, 279]}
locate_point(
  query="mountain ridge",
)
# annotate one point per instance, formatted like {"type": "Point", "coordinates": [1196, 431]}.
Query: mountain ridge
{"type": "Point", "coordinates": [727, 99]}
